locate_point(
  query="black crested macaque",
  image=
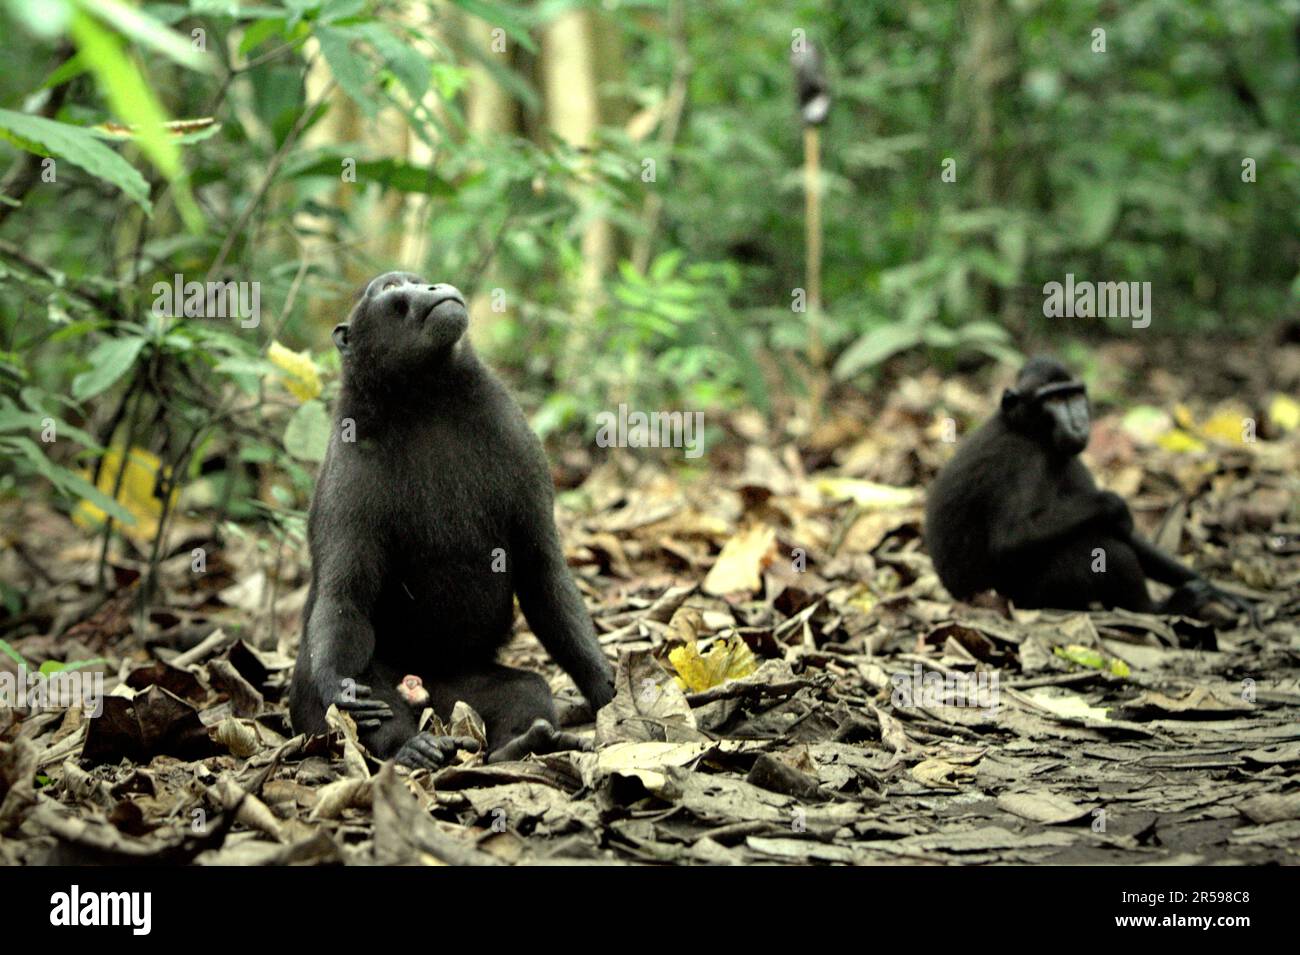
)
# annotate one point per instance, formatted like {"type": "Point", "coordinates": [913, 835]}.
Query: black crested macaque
{"type": "Point", "coordinates": [1017, 511]}
{"type": "Point", "coordinates": [433, 510]}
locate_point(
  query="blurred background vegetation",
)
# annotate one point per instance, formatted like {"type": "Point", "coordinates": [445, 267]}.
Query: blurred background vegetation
{"type": "Point", "coordinates": [619, 189]}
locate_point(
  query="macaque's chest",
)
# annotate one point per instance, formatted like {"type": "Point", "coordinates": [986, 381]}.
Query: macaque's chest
{"type": "Point", "coordinates": [448, 535]}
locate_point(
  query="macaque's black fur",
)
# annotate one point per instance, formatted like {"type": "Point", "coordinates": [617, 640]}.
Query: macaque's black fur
{"type": "Point", "coordinates": [1016, 511]}
{"type": "Point", "coordinates": [404, 531]}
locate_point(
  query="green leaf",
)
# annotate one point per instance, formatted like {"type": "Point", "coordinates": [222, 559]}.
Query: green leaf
{"type": "Point", "coordinates": [67, 481]}
{"type": "Point", "coordinates": [308, 433]}
{"type": "Point", "coordinates": [389, 173]}
{"type": "Point", "coordinates": [54, 666]}
{"type": "Point", "coordinates": [407, 65]}
{"type": "Point", "coordinates": [506, 78]}
{"type": "Point", "coordinates": [196, 135]}
{"type": "Point", "coordinates": [12, 654]}
{"type": "Point", "coordinates": [148, 32]}
{"type": "Point", "coordinates": [1096, 209]}
{"type": "Point", "coordinates": [507, 18]}
{"type": "Point", "coordinates": [69, 69]}
{"type": "Point", "coordinates": [111, 360]}
{"type": "Point", "coordinates": [47, 137]}
{"type": "Point", "coordinates": [133, 100]}
{"type": "Point", "coordinates": [13, 418]}
{"type": "Point", "coordinates": [984, 332]}
{"type": "Point", "coordinates": [556, 411]}
{"type": "Point", "coordinates": [875, 346]}
{"type": "Point", "coordinates": [350, 69]}
{"type": "Point", "coordinates": [258, 32]}
{"type": "Point", "coordinates": [938, 336]}
{"type": "Point", "coordinates": [332, 10]}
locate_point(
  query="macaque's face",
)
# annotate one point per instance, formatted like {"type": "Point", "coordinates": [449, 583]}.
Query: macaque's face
{"type": "Point", "coordinates": [1048, 404]}
{"type": "Point", "coordinates": [401, 324]}
{"type": "Point", "coordinates": [412, 690]}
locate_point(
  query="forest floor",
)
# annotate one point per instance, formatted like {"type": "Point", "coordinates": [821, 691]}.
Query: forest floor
{"type": "Point", "coordinates": [868, 717]}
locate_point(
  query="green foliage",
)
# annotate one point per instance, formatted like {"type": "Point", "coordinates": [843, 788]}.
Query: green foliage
{"type": "Point", "coordinates": [308, 432]}
{"type": "Point", "coordinates": [49, 666]}
{"type": "Point", "coordinates": [1123, 165]}
{"type": "Point", "coordinates": [1117, 165]}
{"type": "Point", "coordinates": [46, 137]}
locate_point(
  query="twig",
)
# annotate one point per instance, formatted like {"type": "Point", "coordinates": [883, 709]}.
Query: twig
{"type": "Point", "coordinates": [211, 643]}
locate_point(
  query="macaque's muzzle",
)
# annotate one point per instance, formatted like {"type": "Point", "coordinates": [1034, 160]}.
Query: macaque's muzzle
{"type": "Point", "coordinates": [1067, 406]}
{"type": "Point", "coordinates": [437, 302]}
{"type": "Point", "coordinates": [408, 297]}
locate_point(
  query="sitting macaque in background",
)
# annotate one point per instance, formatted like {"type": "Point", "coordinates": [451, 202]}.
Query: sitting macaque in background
{"type": "Point", "coordinates": [1017, 511]}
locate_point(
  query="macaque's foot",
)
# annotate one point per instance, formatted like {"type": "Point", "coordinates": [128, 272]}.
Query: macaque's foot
{"type": "Point", "coordinates": [427, 751]}
{"type": "Point", "coordinates": [1200, 598]}
{"type": "Point", "coordinates": [539, 739]}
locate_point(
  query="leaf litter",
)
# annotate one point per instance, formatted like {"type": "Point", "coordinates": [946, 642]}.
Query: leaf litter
{"type": "Point", "coordinates": [793, 684]}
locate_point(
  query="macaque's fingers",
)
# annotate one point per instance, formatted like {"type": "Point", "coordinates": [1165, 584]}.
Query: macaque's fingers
{"type": "Point", "coordinates": [421, 752]}
{"type": "Point", "coordinates": [1199, 598]}
{"type": "Point", "coordinates": [541, 738]}
{"type": "Point", "coordinates": [572, 741]}
{"type": "Point", "coordinates": [426, 751]}
{"type": "Point", "coordinates": [1239, 604]}
{"type": "Point", "coordinates": [366, 709]}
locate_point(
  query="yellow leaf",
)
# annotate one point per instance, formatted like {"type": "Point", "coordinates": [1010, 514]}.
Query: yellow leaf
{"type": "Point", "coordinates": [741, 562]}
{"type": "Point", "coordinates": [1227, 424]}
{"type": "Point", "coordinates": [862, 598]}
{"type": "Point", "coordinates": [1147, 423]}
{"type": "Point", "coordinates": [136, 493]}
{"type": "Point", "coordinates": [1284, 413]}
{"type": "Point", "coordinates": [300, 374]}
{"type": "Point", "coordinates": [726, 660]}
{"type": "Point", "coordinates": [868, 494]}
{"type": "Point", "coordinates": [1180, 440]}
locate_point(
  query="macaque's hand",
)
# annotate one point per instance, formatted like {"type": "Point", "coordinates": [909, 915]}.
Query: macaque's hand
{"type": "Point", "coordinates": [356, 700]}
{"type": "Point", "coordinates": [1116, 513]}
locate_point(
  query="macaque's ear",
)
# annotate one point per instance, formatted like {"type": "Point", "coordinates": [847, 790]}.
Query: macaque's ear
{"type": "Point", "coordinates": [341, 336]}
{"type": "Point", "coordinates": [1010, 398]}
